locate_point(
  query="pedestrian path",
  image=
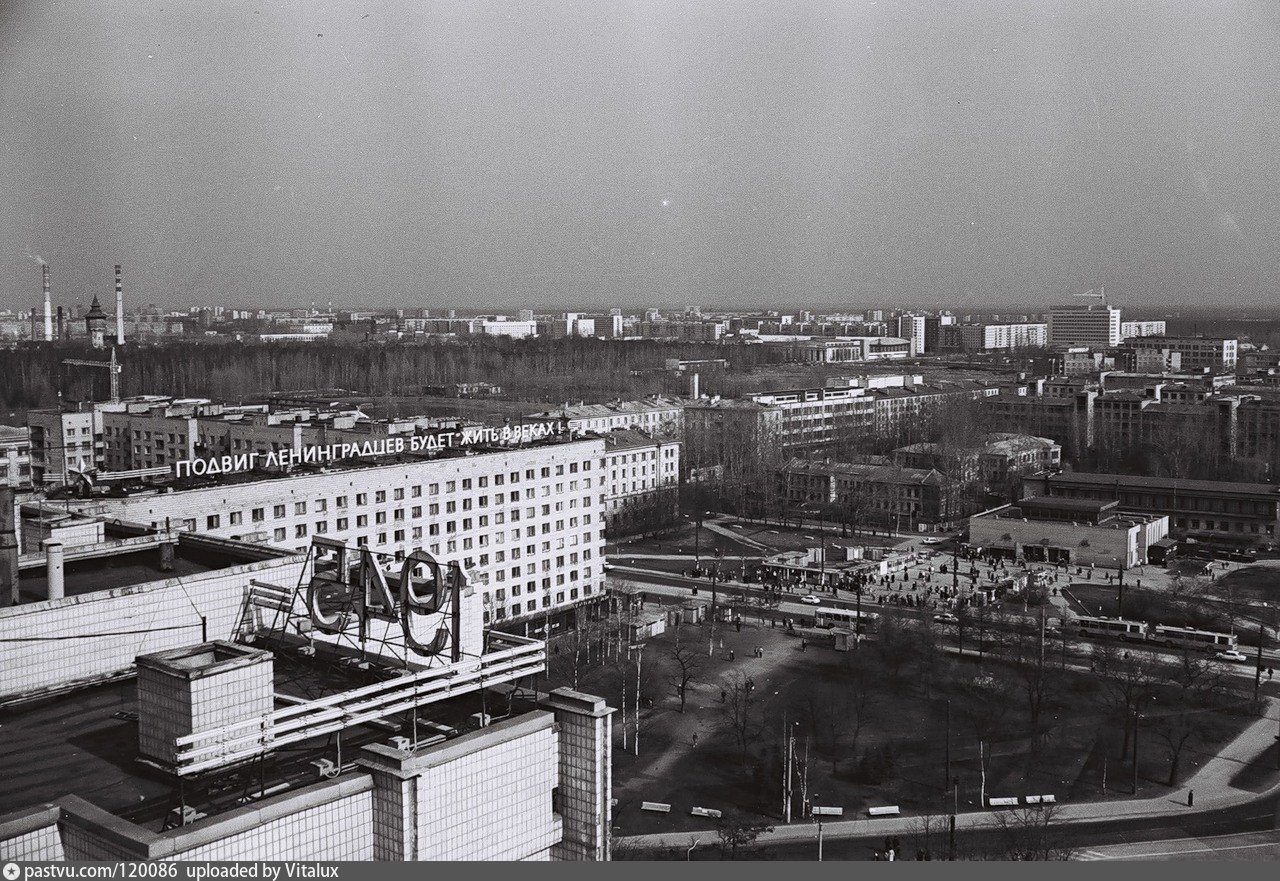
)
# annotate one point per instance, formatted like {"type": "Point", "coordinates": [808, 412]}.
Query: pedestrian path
{"type": "Point", "coordinates": [1212, 784]}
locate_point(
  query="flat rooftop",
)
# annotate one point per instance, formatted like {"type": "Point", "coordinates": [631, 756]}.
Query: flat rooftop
{"type": "Point", "coordinates": [118, 564]}
{"type": "Point", "coordinates": [85, 742]}
{"type": "Point", "coordinates": [1129, 481]}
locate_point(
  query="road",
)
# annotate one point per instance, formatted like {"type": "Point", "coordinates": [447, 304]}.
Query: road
{"type": "Point", "coordinates": [681, 587]}
{"type": "Point", "coordinates": [1251, 846]}
{"type": "Point", "coordinates": [1243, 832]}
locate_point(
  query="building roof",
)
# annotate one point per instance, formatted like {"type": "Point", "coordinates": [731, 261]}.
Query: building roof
{"type": "Point", "coordinates": [879, 473]}
{"type": "Point", "coordinates": [631, 439]}
{"type": "Point", "coordinates": [1164, 483]}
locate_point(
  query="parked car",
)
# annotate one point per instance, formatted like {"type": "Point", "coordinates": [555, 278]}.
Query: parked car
{"type": "Point", "coordinates": [1232, 655]}
{"type": "Point", "coordinates": [946, 618]}
{"type": "Point", "coordinates": [810, 600]}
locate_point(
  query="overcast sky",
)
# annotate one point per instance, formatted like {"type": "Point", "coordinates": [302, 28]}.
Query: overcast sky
{"type": "Point", "coordinates": [498, 154]}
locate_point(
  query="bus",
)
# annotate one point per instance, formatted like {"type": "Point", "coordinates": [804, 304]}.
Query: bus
{"type": "Point", "coordinates": [824, 616]}
{"type": "Point", "coordinates": [1118, 627]}
{"type": "Point", "coordinates": [1188, 637]}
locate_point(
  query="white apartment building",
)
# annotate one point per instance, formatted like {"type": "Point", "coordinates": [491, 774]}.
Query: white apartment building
{"type": "Point", "coordinates": [528, 522]}
{"type": "Point", "coordinates": [1092, 324]}
{"type": "Point", "coordinates": [912, 329]}
{"type": "Point", "coordinates": [994, 337]}
{"type": "Point", "coordinates": [642, 481]}
{"type": "Point", "coordinates": [63, 442]}
{"type": "Point", "coordinates": [656, 415]}
{"type": "Point", "coordinates": [1131, 329]}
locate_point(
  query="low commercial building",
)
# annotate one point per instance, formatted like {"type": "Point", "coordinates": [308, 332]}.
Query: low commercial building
{"type": "Point", "coordinates": [1067, 531]}
{"type": "Point", "coordinates": [1209, 510]}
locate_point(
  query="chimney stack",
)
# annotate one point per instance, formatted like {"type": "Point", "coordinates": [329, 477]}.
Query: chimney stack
{"type": "Point", "coordinates": [119, 308]}
{"type": "Point", "coordinates": [8, 545]}
{"type": "Point", "coordinates": [48, 308]}
{"type": "Point", "coordinates": [56, 569]}
{"type": "Point", "coordinates": [61, 325]}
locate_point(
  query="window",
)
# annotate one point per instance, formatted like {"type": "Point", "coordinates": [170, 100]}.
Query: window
{"type": "Point", "coordinates": [299, 507]}
{"type": "Point", "coordinates": [300, 531]}
{"type": "Point", "coordinates": [362, 520]}
{"type": "Point", "coordinates": [278, 511]}
{"type": "Point", "coordinates": [237, 517]}
{"type": "Point", "coordinates": [213, 521]}
{"type": "Point", "coordinates": [362, 499]}
{"type": "Point", "coordinates": [340, 501]}
{"type": "Point", "coordinates": [280, 534]}
{"type": "Point", "coordinates": [380, 497]}
{"type": "Point", "coordinates": [342, 524]}
{"type": "Point", "coordinates": [398, 495]}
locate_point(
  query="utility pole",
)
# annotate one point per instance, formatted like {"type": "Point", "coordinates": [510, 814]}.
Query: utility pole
{"type": "Point", "coordinates": [786, 769]}
{"type": "Point", "coordinates": [946, 782]}
{"type": "Point", "coordinates": [1136, 720]}
{"type": "Point", "coordinates": [1257, 673]}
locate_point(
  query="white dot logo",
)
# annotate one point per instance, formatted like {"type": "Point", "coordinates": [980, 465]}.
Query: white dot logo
{"type": "Point", "coordinates": [11, 872]}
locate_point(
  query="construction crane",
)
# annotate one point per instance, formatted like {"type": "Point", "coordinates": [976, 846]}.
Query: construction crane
{"type": "Point", "coordinates": [112, 367]}
{"type": "Point", "coordinates": [1099, 294]}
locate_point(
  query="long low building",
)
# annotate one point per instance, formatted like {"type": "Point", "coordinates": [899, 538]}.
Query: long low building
{"type": "Point", "coordinates": [529, 521]}
{"type": "Point", "coordinates": [1210, 510]}
{"type": "Point", "coordinates": [1065, 531]}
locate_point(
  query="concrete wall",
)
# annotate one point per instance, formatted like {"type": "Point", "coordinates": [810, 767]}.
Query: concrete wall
{"type": "Point", "coordinates": [32, 836]}
{"type": "Point", "coordinates": [89, 637]}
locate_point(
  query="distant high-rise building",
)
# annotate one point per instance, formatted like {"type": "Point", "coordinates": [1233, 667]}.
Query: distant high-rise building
{"type": "Point", "coordinates": [1092, 324]}
{"type": "Point", "coordinates": [912, 329]}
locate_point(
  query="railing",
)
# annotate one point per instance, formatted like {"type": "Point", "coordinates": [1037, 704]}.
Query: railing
{"type": "Point", "coordinates": [246, 739]}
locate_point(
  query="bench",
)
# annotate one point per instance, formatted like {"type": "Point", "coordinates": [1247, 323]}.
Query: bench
{"type": "Point", "coordinates": [1003, 802]}
{"type": "Point", "coordinates": [884, 811]}
{"type": "Point", "coordinates": [1041, 799]}
{"type": "Point", "coordinates": [655, 806]}
{"type": "Point", "coordinates": [705, 812]}
{"type": "Point", "coordinates": [819, 811]}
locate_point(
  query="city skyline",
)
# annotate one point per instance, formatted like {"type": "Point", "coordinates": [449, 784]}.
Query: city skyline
{"type": "Point", "coordinates": [477, 157]}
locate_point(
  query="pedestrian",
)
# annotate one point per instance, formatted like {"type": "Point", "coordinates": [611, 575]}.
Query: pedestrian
{"type": "Point", "coordinates": [723, 695]}
{"type": "Point", "coordinates": [695, 738]}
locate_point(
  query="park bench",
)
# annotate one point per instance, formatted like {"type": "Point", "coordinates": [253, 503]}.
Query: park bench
{"type": "Point", "coordinates": [656, 806]}
{"type": "Point", "coordinates": [884, 811]}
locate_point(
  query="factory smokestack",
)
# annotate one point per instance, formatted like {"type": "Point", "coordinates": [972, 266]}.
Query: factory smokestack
{"type": "Point", "coordinates": [48, 307]}
{"type": "Point", "coordinates": [119, 308]}
{"type": "Point", "coordinates": [62, 325]}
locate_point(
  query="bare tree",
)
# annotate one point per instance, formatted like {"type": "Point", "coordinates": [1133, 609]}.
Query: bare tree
{"type": "Point", "coordinates": [1030, 833]}
{"type": "Point", "coordinates": [1175, 731]}
{"type": "Point", "coordinates": [1127, 679]}
{"type": "Point", "coordinates": [739, 711]}
{"type": "Point", "coordinates": [688, 664]}
{"type": "Point", "coordinates": [737, 831]}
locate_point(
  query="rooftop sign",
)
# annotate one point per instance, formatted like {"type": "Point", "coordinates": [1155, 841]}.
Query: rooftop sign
{"type": "Point", "coordinates": [370, 449]}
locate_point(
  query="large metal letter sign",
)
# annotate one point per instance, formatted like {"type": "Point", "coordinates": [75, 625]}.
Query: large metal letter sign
{"type": "Point", "coordinates": [337, 601]}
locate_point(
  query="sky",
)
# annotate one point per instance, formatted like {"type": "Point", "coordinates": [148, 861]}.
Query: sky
{"type": "Point", "coordinates": [494, 155]}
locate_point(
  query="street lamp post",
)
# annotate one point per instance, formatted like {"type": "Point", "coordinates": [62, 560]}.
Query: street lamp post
{"type": "Point", "coordinates": [639, 650]}
{"type": "Point", "coordinates": [688, 854]}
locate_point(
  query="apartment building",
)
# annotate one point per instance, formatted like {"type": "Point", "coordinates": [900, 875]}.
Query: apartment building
{"type": "Point", "coordinates": [642, 481]}
{"type": "Point", "coordinates": [528, 521]}
{"type": "Point", "coordinates": [65, 442]}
